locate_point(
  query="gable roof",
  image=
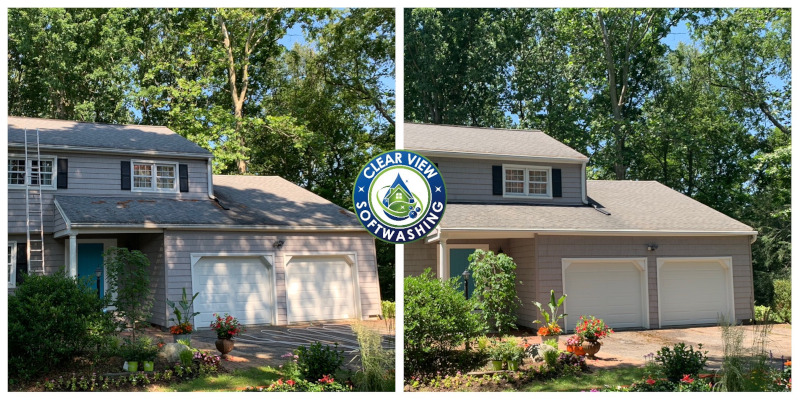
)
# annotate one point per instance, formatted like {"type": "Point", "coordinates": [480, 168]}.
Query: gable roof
{"type": "Point", "coordinates": [634, 207]}
{"type": "Point", "coordinates": [465, 141]}
{"type": "Point", "coordinates": [259, 202]}
{"type": "Point", "coordinates": [139, 139]}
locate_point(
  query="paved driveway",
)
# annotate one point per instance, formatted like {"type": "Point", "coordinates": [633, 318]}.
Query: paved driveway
{"type": "Point", "coordinates": [264, 345]}
{"type": "Point", "coordinates": [629, 348]}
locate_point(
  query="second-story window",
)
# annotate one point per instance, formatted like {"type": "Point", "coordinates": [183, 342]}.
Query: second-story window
{"type": "Point", "coordinates": [526, 181]}
{"type": "Point", "coordinates": [20, 174]}
{"type": "Point", "coordinates": [154, 177]}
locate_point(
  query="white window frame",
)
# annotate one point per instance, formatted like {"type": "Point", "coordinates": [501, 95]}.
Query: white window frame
{"type": "Point", "coordinates": [526, 181]}
{"type": "Point", "coordinates": [12, 265]}
{"type": "Point", "coordinates": [154, 176]}
{"type": "Point", "coordinates": [28, 173]}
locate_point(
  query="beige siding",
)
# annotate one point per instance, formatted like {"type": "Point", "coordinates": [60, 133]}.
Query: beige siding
{"type": "Point", "coordinates": [522, 251]}
{"type": "Point", "coordinates": [551, 249]}
{"type": "Point", "coordinates": [181, 244]}
{"type": "Point", "coordinates": [98, 175]}
{"type": "Point", "coordinates": [471, 181]}
{"type": "Point", "coordinates": [419, 256]}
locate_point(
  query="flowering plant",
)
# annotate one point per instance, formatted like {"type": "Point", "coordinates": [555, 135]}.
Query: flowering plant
{"type": "Point", "coordinates": [549, 320]}
{"type": "Point", "coordinates": [592, 329]}
{"type": "Point", "coordinates": [183, 328]}
{"type": "Point", "coordinates": [226, 326]}
{"type": "Point", "coordinates": [574, 340]}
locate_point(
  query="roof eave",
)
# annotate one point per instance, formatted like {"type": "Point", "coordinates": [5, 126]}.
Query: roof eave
{"type": "Point", "coordinates": [605, 232]}
{"type": "Point", "coordinates": [93, 150]}
{"type": "Point", "coordinates": [494, 156]}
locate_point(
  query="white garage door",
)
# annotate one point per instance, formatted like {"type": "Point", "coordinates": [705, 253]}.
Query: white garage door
{"type": "Point", "coordinates": [694, 291]}
{"type": "Point", "coordinates": [239, 286]}
{"type": "Point", "coordinates": [612, 290]}
{"type": "Point", "coordinates": [319, 289]}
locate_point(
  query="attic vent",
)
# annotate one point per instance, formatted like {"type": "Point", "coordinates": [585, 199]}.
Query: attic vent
{"type": "Point", "coordinates": [600, 209]}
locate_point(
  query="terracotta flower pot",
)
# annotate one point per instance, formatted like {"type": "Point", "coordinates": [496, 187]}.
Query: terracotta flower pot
{"type": "Point", "coordinates": [224, 346]}
{"type": "Point", "coordinates": [591, 348]}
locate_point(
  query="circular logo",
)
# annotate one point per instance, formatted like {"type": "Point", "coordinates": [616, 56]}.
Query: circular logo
{"type": "Point", "coordinates": [399, 196]}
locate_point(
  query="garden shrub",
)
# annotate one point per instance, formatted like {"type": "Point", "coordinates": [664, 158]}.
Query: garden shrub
{"type": "Point", "coordinates": [680, 360]}
{"type": "Point", "coordinates": [52, 319]}
{"type": "Point", "coordinates": [316, 361]}
{"type": "Point", "coordinates": [187, 356]}
{"type": "Point", "coordinates": [129, 278]}
{"type": "Point", "coordinates": [377, 364]}
{"type": "Point", "coordinates": [782, 301]}
{"type": "Point", "coordinates": [495, 288]}
{"type": "Point", "coordinates": [437, 319]}
{"type": "Point", "coordinates": [763, 288]}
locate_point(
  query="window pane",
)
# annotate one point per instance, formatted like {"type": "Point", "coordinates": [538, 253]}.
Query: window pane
{"type": "Point", "coordinates": [142, 176]}
{"type": "Point", "coordinates": [16, 171]}
{"type": "Point", "coordinates": [537, 188]}
{"type": "Point", "coordinates": [142, 169]}
{"type": "Point", "coordinates": [537, 176]}
{"type": "Point", "coordinates": [45, 171]}
{"type": "Point", "coordinates": [515, 175]}
{"type": "Point", "coordinates": [515, 187]}
{"type": "Point", "coordinates": [165, 176]}
{"type": "Point", "coordinates": [166, 183]}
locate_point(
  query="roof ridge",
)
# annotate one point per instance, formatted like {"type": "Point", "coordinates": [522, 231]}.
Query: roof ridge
{"type": "Point", "coordinates": [87, 122]}
{"type": "Point", "coordinates": [483, 127]}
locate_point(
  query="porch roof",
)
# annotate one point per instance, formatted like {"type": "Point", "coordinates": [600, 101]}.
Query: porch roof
{"type": "Point", "coordinates": [244, 202]}
{"type": "Point", "coordinates": [633, 207]}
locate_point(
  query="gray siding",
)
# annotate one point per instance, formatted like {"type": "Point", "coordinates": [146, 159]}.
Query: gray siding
{"type": "Point", "coordinates": [180, 245]}
{"type": "Point", "coordinates": [99, 175]}
{"type": "Point", "coordinates": [470, 180]}
{"type": "Point", "coordinates": [152, 245]}
{"type": "Point", "coordinates": [522, 251]}
{"type": "Point", "coordinates": [551, 249]}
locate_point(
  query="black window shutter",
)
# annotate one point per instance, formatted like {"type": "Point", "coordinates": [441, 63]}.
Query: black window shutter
{"type": "Point", "coordinates": [183, 177]}
{"type": "Point", "coordinates": [125, 175]}
{"type": "Point", "coordinates": [556, 182]}
{"type": "Point", "coordinates": [63, 170]}
{"type": "Point", "coordinates": [497, 180]}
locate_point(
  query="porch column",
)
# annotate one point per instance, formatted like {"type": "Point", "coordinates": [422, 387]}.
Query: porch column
{"type": "Point", "coordinates": [73, 255]}
{"type": "Point", "coordinates": [443, 270]}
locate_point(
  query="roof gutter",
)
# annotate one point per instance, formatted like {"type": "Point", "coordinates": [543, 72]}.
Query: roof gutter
{"type": "Point", "coordinates": [626, 232]}
{"type": "Point", "coordinates": [512, 157]}
{"type": "Point", "coordinates": [81, 149]}
{"type": "Point", "coordinates": [151, 225]}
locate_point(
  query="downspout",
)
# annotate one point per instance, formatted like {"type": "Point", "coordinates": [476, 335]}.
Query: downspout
{"type": "Point", "coordinates": [583, 184]}
{"type": "Point", "coordinates": [210, 180]}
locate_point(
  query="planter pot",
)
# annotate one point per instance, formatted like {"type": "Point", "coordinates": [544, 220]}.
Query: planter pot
{"type": "Point", "coordinates": [549, 337]}
{"type": "Point", "coordinates": [133, 366]}
{"type": "Point", "coordinates": [513, 365]}
{"type": "Point", "coordinates": [575, 349]}
{"type": "Point", "coordinates": [591, 348]}
{"type": "Point", "coordinates": [147, 366]}
{"type": "Point", "coordinates": [224, 346]}
{"type": "Point", "coordinates": [187, 337]}
{"type": "Point", "coordinates": [497, 365]}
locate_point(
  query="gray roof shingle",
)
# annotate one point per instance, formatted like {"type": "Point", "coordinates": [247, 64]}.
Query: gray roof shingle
{"type": "Point", "coordinates": [55, 133]}
{"type": "Point", "coordinates": [485, 141]}
{"type": "Point", "coordinates": [633, 205]}
{"type": "Point", "coordinates": [250, 201]}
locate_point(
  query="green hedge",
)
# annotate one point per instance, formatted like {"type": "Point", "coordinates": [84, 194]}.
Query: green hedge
{"type": "Point", "coordinates": [782, 302]}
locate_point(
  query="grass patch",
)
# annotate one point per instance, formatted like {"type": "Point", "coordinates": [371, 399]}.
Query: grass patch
{"type": "Point", "coordinates": [236, 380]}
{"type": "Point", "coordinates": [595, 380]}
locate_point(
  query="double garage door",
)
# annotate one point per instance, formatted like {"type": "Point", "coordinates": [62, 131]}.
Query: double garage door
{"type": "Point", "coordinates": [316, 289]}
{"type": "Point", "coordinates": [691, 291]}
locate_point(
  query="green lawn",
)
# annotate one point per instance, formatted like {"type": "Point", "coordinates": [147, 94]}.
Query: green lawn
{"type": "Point", "coordinates": [237, 380]}
{"type": "Point", "coordinates": [597, 379]}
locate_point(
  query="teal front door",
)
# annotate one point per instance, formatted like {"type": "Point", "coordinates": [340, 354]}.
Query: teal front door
{"type": "Point", "coordinates": [90, 258]}
{"type": "Point", "coordinates": [459, 262]}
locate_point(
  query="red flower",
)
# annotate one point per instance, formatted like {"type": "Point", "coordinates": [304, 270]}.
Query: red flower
{"type": "Point", "coordinates": [290, 382]}
{"type": "Point", "coordinates": [687, 379]}
{"type": "Point", "coordinates": [651, 381]}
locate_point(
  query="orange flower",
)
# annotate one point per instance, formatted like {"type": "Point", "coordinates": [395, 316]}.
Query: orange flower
{"type": "Point", "coordinates": [788, 363]}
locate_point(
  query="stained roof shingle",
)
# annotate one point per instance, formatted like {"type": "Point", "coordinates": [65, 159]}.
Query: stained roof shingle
{"type": "Point", "coordinates": [55, 133]}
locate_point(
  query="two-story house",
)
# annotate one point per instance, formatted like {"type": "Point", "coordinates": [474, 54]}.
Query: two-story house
{"type": "Point", "coordinates": [257, 247]}
{"type": "Point", "coordinates": [637, 254]}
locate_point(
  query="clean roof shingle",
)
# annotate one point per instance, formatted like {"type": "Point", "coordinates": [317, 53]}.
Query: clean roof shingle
{"type": "Point", "coordinates": [633, 205]}
{"type": "Point", "coordinates": [55, 133]}
{"type": "Point", "coordinates": [486, 141]}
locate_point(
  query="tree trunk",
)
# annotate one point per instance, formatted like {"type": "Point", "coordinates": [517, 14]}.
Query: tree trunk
{"type": "Point", "coordinates": [616, 104]}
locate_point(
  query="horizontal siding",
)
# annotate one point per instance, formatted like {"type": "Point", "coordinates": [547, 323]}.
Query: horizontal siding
{"type": "Point", "coordinates": [99, 175]}
{"type": "Point", "coordinates": [551, 249]}
{"type": "Point", "coordinates": [180, 245]}
{"type": "Point", "coordinates": [522, 251]}
{"type": "Point", "coordinates": [471, 181]}
{"type": "Point", "coordinates": [152, 245]}
{"type": "Point", "coordinates": [419, 256]}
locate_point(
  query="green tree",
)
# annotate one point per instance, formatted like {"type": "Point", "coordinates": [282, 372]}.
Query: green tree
{"type": "Point", "coordinates": [129, 286]}
{"type": "Point", "coordinates": [495, 280]}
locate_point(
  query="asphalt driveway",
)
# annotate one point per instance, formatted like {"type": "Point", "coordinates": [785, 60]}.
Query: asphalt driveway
{"type": "Point", "coordinates": [629, 348]}
{"type": "Point", "coordinates": [264, 345]}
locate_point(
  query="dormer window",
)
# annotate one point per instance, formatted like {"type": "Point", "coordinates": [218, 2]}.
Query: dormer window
{"type": "Point", "coordinates": [527, 181]}
{"type": "Point", "coordinates": [21, 174]}
{"type": "Point", "coordinates": [154, 177]}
